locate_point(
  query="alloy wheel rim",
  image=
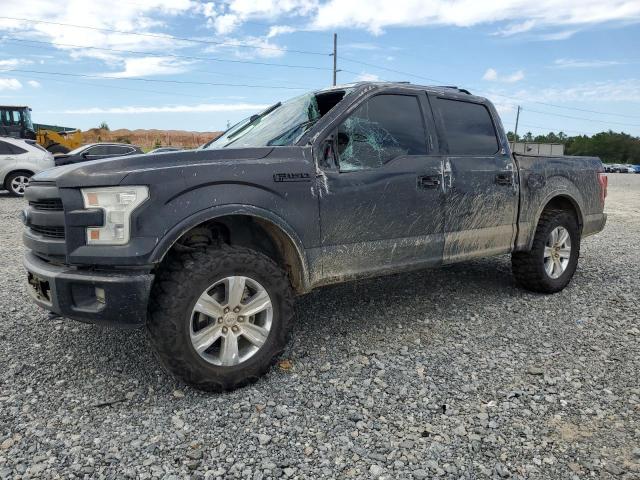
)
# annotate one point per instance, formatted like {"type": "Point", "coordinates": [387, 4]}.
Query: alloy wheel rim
{"type": "Point", "coordinates": [231, 321]}
{"type": "Point", "coordinates": [557, 252]}
{"type": "Point", "coordinates": [19, 184]}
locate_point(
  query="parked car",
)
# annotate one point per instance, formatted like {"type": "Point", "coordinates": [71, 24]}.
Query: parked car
{"type": "Point", "coordinates": [636, 168]}
{"type": "Point", "coordinates": [19, 160]}
{"type": "Point", "coordinates": [628, 169]}
{"type": "Point", "coordinates": [208, 247]}
{"type": "Point", "coordinates": [164, 150]}
{"type": "Point", "coordinates": [96, 151]}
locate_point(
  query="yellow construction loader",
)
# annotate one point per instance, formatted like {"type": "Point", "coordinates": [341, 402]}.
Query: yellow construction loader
{"type": "Point", "coordinates": [15, 121]}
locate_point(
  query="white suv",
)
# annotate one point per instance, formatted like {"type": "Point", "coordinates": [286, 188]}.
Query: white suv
{"type": "Point", "coordinates": [19, 160]}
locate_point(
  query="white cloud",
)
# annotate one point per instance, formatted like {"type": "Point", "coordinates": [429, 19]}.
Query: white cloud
{"type": "Point", "coordinates": [8, 63]}
{"type": "Point", "coordinates": [367, 77]}
{"type": "Point", "coordinates": [491, 75]}
{"type": "Point", "coordinates": [143, 16]}
{"type": "Point", "coordinates": [228, 15]}
{"type": "Point", "coordinates": [149, 66]}
{"type": "Point", "coordinates": [34, 84]}
{"type": "Point", "coordinates": [516, 28]}
{"type": "Point", "coordinates": [276, 30]}
{"type": "Point", "coordinates": [562, 35]}
{"type": "Point", "coordinates": [225, 24]}
{"type": "Point", "coordinates": [524, 15]}
{"type": "Point", "coordinates": [263, 47]}
{"type": "Point", "coordinates": [200, 108]}
{"type": "Point", "coordinates": [10, 84]}
{"type": "Point", "coordinates": [573, 63]}
{"type": "Point", "coordinates": [625, 90]}
{"type": "Point", "coordinates": [360, 46]}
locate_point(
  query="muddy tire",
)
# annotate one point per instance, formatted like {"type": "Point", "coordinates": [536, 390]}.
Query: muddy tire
{"type": "Point", "coordinates": [220, 317]}
{"type": "Point", "coordinates": [550, 264]}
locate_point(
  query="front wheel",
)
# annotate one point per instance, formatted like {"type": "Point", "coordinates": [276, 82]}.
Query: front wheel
{"type": "Point", "coordinates": [220, 317]}
{"type": "Point", "coordinates": [550, 264]}
{"type": "Point", "coordinates": [17, 183]}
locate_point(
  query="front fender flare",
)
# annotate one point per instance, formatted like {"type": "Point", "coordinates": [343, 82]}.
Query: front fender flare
{"type": "Point", "coordinates": [172, 236]}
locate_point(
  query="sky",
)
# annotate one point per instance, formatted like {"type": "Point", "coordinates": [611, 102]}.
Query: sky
{"type": "Point", "coordinates": [571, 65]}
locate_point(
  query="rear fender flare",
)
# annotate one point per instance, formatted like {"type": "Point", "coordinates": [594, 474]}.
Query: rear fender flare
{"type": "Point", "coordinates": [558, 189]}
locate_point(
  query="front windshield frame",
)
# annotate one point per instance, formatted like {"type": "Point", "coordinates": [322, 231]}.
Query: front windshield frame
{"type": "Point", "coordinates": [291, 121]}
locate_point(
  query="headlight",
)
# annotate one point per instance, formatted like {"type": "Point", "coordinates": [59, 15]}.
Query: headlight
{"type": "Point", "coordinates": [118, 203]}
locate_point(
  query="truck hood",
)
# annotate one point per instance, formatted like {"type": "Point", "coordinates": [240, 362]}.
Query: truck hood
{"type": "Point", "coordinates": [111, 171]}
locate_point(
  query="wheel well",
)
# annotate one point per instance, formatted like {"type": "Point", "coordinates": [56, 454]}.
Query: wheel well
{"type": "Point", "coordinates": [250, 232]}
{"type": "Point", "coordinates": [4, 181]}
{"type": "Point", "coordinates": [566, 204]}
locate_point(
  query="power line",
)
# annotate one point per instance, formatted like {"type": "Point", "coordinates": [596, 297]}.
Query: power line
{"type": "Point", "coordinates": [141, 79]}
{"type": "Point", "coordinates": [166, 36]}
{"type": "Point", "coordinates": [153, 54]}
{"type": "Point", "coordinates": [49, 45]}
{"type": "Point", "coordinates": [491, 93]}
{"type": "Point", "coordinates": [71, 82]}
{"type": "Point", "coordinates": [566, 107]}
{"type": "Point", "coordinates": [584, 119]}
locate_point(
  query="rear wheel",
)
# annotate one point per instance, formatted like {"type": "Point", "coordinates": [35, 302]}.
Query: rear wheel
{"type": "Point", "coordinates": [550, 264]}
{"type": "Point", "coordinates": [17, 183]}
{"type": "Point", "coordinates": [220, 317]}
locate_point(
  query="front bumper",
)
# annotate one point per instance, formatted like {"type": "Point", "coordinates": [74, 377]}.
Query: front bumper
{"type": "Point", "coordinates": [118, 298]}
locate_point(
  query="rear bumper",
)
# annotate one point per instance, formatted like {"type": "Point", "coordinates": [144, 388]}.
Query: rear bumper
{"type": "Point", "coordinates": [110, 298]}
{"type": "Point", "coordinates": [593, 224]}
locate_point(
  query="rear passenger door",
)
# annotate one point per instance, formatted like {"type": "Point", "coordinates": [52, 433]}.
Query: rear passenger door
{"type": "Point", "coordinates": [481, 198]}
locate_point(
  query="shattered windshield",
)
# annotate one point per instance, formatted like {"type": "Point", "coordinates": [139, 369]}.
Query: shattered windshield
{"type": "Point", "coordinates": [281, 124]}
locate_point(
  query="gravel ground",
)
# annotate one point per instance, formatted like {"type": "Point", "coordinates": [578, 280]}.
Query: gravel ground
{"type": "Point", "coordinates": [452, 373]}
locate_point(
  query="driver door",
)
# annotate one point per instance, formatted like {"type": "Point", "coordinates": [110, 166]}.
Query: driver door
{"type": "Point", "coordinates": [381, 209]}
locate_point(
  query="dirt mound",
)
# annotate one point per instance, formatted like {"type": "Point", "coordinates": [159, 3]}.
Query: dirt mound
{"type": "Point", "coordinates": [148, 139]}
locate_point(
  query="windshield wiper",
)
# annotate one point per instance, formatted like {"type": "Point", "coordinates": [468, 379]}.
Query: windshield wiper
{"type": "Point", "coordinates": [286, 136]}
{"type": "Point", "coordinates": [253, 119]}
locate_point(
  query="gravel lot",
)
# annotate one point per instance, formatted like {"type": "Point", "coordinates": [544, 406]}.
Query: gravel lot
{"type": "Point", "coordinates": [452, 373]}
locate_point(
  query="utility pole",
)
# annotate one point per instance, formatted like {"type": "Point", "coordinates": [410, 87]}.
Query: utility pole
{"type": "Point", "coordinates": [335, 57]}
{"type": "Point", "coordinates": [515, 133]}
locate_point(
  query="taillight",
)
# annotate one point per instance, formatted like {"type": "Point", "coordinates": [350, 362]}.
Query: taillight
{"type": "Point", "coordinates": [603, 180]}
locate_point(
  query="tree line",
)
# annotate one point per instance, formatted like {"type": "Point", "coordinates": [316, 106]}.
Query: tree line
{"type": "Point", "coordinates": [611, 147]}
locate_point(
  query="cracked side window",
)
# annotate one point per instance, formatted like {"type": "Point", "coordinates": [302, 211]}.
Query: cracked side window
{"type": "Point", "coordinates": [383, 128]}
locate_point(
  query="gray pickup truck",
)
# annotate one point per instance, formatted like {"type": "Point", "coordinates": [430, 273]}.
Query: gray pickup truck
{"type": "Point", "coordinates": [208, 248]}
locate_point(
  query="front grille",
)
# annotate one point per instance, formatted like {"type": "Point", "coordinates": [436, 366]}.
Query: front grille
{"type": "Point", "coordinates": [45, 234]}
{"type": "Point", "coordinates": [48, 204]}
{"type": "Point", "coordinates": [50, 232]}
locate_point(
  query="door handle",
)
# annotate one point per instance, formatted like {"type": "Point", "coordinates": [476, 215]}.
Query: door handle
{"type": "Point", "coordinates": [429, 181]}
{"type": "Point", "coordinates": [504, 178]}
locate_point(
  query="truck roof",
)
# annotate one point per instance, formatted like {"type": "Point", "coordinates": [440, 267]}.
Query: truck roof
{"type": "Point", "coordinates": [449, 89]}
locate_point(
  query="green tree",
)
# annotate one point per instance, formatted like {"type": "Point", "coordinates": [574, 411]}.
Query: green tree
{"type": "Point", "coordinates": [103, 126]}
